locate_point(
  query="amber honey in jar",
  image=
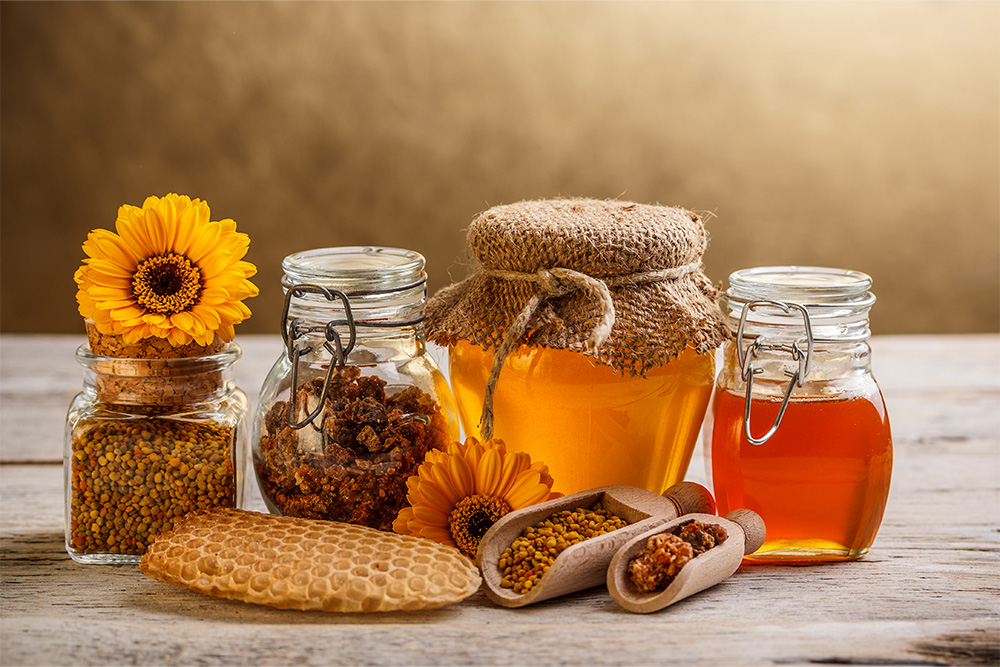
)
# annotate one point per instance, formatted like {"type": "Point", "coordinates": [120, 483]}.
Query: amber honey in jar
{"type": "Point", "coordinates": [800, 431]}
{"type": "Point", "coordinates": [589, 424]}
{"type": "Point", "coordinates": [585, 338]}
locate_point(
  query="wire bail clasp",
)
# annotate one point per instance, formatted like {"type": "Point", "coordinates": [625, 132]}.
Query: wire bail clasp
{"type": "Point", "coordinates": [747, 370]}
{"type": "Point", "coordinates": [292, 331]}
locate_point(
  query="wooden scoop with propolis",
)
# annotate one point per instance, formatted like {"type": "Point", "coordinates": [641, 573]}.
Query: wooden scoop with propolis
{"type": "Point", "coordinates": [745, 533]}
{"type": "Point", "coordinates": [585, 564]}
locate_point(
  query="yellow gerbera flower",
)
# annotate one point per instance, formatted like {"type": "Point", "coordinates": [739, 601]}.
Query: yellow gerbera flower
{"type": "Point", "coordinates": [457, 494]}
{"type": "Point", "coordinates": [170, 272]}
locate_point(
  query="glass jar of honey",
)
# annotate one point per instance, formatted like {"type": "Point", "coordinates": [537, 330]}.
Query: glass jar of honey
{"type": "Point", "coordinates": [585, 338]}
{"type": "Point", "coordinates": [354, 402]}
{"type": "Point", "coordinates": [800, 432]}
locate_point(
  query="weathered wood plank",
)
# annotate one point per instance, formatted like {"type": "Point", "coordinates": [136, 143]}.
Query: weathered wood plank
{"type": "Point", "coordinates": [343, 641]}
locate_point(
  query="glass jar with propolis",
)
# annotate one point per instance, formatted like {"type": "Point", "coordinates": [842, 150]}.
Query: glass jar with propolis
{"type": "Point", "coordinates": [354, 403]}
{"type": "Point", "coordinates": [585, 337]}
{"type": "Point", "coordinates": [800, 433]}
{"type": "Point", "coordinates": [157, 432]}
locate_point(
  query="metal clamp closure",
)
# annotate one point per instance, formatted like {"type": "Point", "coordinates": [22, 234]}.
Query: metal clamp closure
{"type": "Point", "coordinates": [292, 331]}
{"type": "Point", "coordinates": [747, 370]}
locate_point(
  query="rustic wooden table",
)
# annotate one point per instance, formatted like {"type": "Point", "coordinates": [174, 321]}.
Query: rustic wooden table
{"type": "Point", "coordinates": [927, 594]}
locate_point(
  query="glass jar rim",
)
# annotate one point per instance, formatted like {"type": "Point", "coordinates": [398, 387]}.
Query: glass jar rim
{"type": "Point", "coordinates": [808, 285]}
{"type": "Point", "coordinates": [354, 268]}
{"type": "Point", "coordinates": [136, 367]}
{"type": "Point", "coordinates": [776, 299]}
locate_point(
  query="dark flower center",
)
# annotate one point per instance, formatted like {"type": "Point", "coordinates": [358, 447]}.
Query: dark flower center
{"type": "Point", "coordinates": [471, 518]}
{"type": "Point", "coordinates": [167, 284]}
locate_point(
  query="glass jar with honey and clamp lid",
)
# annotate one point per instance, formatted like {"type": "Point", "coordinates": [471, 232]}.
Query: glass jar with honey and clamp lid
{"type": "Point", "coordinates": [800, 433]}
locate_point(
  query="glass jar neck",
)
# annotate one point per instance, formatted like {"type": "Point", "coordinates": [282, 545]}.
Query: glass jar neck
{"type": "Point", "coordinates": [372, 296]}
{"type": "Point", "coordinates": [159, 384]}
{"type": "Point", "coordinates": [835, 370]}
{"type": "Point", "coordinates": [783, 303]}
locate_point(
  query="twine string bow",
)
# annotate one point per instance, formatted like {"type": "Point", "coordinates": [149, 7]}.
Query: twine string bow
{"type": "Point", "coordinates": [555, 282]}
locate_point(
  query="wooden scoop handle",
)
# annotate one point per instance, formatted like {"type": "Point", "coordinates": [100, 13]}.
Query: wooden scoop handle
{"type": "Point", "coordinates": [753, 527]}
{"type": "Point", "coordinates": [690, 498]}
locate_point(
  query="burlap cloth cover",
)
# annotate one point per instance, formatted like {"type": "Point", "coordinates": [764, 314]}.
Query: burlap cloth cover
{"type": "Point", "coordinates": [618, 281]}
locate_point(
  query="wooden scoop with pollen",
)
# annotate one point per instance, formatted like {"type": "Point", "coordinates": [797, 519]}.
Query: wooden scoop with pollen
{"type": "Point", "coordinates": [585, 564]}
{"type": "Point", "coordinates": [744, 535]}
{"type": "Point", "coordinates": [293, 563]}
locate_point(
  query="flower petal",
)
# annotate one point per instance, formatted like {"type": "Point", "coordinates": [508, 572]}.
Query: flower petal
{"type": "Point", "coordinates": [543, 470]}
{"type": "Point", "coordinates": [461, 475]}
{"type": "Point", "coordinates": [204, 339]}
{"type": "Point", "coordinates": [123, 284]}
{"type": "Point", "coordinates": [160, 226]}
{"type": "Point", "coordinates": [109, 268]}
{"type": "Point", "coordinates": [411, 488]}
{"type": "Point", "coordinates": [513, 465]}
{"type": "Point", "coordinates": [178, 337]}
{"type": "Point", "coordinates": [100, 292]}
{"type": "Point", "coordinates": [213, 296]}
{"type": "Point", "coordinates": [228, 312]}
{"type": "Point", "coordinates": [199, 328]}
{"type": "Point", "coordinates": [127, 313]}
{"type": "Point", "coordinates": [103, 244]}
{"type": "Point", "coordinates": [399, 525]}
{"type": "Point", "coordinates": [248, 269]}
{"type": "Point", "coordinates": [204, 242]}
{"type": "Point", "coordinates": [184, 233]}
{"type": "Point", "coordinates": [473, 452]}
{"type": "Point", "coordinates": [432, 496]}
{"type": "Point", "coordinates": [429, 516]}
{"type": "Point", "coordinates": [132, 336]}
{"type": "Point", "coordinates": [109, 305]}
{"type": "Point", "coordinates": [448, 489]}
{"type": "Point", "coordinates": [207, 315]}
{"type": "Point", "coordinates": [526, 490]}
{"type": "Point", "coordinates": [488, 473]}
{"type": "Point", "coordinates": [182, 321]}
{"type": "Point", "coordinates": [214, 263]}
{"type": "Point", "coordinates": [131, 229]}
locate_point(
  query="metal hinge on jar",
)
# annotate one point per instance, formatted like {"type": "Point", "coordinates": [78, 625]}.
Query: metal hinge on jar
{"type": "Point", "coordinates": [753, 350]}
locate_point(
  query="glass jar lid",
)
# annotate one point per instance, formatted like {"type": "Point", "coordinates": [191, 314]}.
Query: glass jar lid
{"type": "Point", "coordinates": [354, 269]}
{"type": "Point", "coordinates": [380, 283]}
{"type": "Point", "coordinates": [808, 285]}
{"type": "Point", "coordinates": [836, 300]}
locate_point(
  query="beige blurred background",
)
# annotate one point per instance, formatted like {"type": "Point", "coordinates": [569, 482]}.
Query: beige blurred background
{"type": "Point", "coordinates": [862, 135]}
